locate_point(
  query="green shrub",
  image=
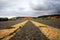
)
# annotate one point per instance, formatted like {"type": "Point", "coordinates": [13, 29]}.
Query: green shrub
{"type": "Point", "coordinates": [3, 19]}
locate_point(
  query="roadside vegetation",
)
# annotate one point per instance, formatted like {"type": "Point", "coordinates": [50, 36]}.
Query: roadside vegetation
{"type": "Point", "coordinates": [3, 19]}
{"type": "Point", "coordinates": [7, 19]}
{"type": "Point", "coordinates": [49, 18]}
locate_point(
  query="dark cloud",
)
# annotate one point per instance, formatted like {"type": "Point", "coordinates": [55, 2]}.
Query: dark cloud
{"type": "Point", "coordinates": [29, 8]}
{"type": "Point", "coordinates": [48, 7]}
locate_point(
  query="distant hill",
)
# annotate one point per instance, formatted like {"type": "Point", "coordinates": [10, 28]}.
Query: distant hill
{"type": "Point", "coordinates": [54, 15]}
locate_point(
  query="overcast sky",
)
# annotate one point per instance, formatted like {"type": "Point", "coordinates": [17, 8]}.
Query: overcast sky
{"type": "Point", "coordinates": [29, 7]}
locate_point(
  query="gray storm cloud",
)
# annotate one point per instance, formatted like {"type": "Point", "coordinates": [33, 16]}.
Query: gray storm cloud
{"type": "Point", "coordinates": [29, 7]}
{"type": "Point", "coordinates": [47, 7]}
